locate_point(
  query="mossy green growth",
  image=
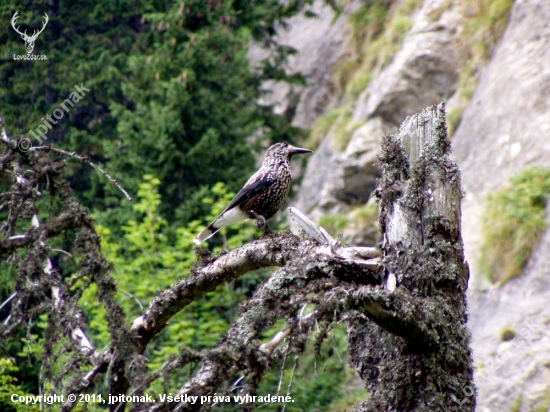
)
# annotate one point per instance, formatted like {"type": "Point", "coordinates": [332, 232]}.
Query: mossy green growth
{"type": "Point", "coordinates": [368, 21]}
{"type": "Point", "coordinates": [344, 128]}
{"type": "Point", "coordinates": [378, 29]}
{"type": "Point", "coordinates": [507, 334]}
{"type": "Point", "coordinates": [361, 219]}
{"type": "Point", "coordinates": [512, 224]}
{"type": "Point", "coordinates": [365, 217]}
{"type": "Point", "coordinates": [333, 223]}
{"type": "Point", "coordinates": [341, 123]}
{"type": "Point", "coordinates": [321, 128]}
{"type": "Point", "coordinates": [544, 404]}
{"type": "Point", "coordinates": [454, 116]}
{"type": "Point", "coordinates": [516, 407]}
{"type": "Point", "coordinates": [484, 24]}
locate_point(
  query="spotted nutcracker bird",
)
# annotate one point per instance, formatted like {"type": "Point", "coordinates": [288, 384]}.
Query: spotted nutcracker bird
{"type": "Point", "coordinates": [263, 194]}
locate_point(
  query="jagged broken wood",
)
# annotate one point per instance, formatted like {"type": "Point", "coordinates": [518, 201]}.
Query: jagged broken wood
{"type": "Point", "coordinates": [359, 255]}
{"type": "Point", "coordinates": [419, 328]}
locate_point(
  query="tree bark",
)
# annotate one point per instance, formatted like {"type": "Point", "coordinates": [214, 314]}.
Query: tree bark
{"type": "Point", "coordinates": [415, 355]}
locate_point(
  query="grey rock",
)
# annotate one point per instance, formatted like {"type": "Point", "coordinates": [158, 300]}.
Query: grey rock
{"type": "Point", "coordinates": [321, 43]}
{"type": "Point", "coordinates": [506, 127]}
{"type": "Point", "coordinates": [422, 73]}
{"type": "Point", "coordinates": [356, 170]}
{"type": "Point", "coordinates": [504, 130]}
{"type": "Point", "coordinates": [507, 370]}
{"type": "Point", "coordinates": [317, 173]}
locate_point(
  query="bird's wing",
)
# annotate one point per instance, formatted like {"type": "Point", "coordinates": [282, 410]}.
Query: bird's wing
{"type": "Point", "coordinates": [248, 192]}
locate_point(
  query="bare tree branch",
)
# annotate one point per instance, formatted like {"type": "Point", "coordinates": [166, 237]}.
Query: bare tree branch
{"type": "Point", "coordinates": [84, 159]}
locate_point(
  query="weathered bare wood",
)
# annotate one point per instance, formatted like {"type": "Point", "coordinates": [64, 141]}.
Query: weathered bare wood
{"type": "Point", "coordinates": [359, 255]}
{"type": "Point", "coordinates": [416, 356]}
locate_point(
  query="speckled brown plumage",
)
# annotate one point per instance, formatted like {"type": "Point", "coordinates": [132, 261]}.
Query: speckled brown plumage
{"type": "Point", "coordinates": [262, 195]}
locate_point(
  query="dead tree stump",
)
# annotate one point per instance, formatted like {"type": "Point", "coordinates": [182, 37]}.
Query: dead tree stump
{"type": "Point", "coordinates": [415, 355]}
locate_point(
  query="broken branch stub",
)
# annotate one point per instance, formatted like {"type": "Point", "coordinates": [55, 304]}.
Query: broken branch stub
{"type": "Point", "coordinates": [368, 257]}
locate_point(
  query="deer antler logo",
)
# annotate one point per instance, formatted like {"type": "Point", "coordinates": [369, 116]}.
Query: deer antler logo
{"type": "Point", "coordinates": [29, 40]}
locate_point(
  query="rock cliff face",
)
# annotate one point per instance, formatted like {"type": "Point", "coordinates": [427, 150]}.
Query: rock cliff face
{"type": "Point", "coordinates": [320, 43]}
{"type": "Point", "coordinates": [424, 72]}
{"type": "Point", "coordinates": [504, 128]}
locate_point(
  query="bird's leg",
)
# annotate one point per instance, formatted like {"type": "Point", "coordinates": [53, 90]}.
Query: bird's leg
{"type": "Point", "coordinates": [261, 222]}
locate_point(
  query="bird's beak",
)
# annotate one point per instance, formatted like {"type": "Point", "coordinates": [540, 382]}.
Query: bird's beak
{"type": "Point", "coordinates": [297, 150]}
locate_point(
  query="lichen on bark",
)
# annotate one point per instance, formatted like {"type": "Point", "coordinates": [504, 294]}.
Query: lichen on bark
{"type": "Point", "coordinates": [415, 355]}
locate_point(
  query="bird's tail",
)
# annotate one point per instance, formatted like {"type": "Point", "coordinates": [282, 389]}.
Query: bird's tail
{"type": "Point", "coordinates": [205, 234]}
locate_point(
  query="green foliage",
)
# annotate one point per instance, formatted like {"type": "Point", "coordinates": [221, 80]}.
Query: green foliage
{"type": "Point", "coordinates": [516, 407]}
{"type": "Point", "coordinates": [9, 385]}
{"type": "Point", "coordinates": [454, 116]}
{"type": "Point", "coordinates": [368, 21]}
{"type": "Point", "coordinates": [338, 121]}
{"type": "Point", "coordinates": [333, 223]}
{"type": "Point", "coordinates": [507, 334]}
{"type": "Point", "coordinates": [19, 365]}
{"type": "Point", "coordinates": [513, 223]}
{"type": "Point", "coordinates": [7, 275]}
{"type": "Point", "coordinates": [172, 93]}
{"type": "Point", "coordinates": [321, 128]}
{"type": "Point", "coordinates": [378, 31]}
{"type": "Point", "coordinates": [361, 219]}
{"type": "Point", "coordinates": [543, 403]}
{"type": "Point", "coordinates": [344, 128]}
{"type": "Point", "coordinates": [485, 23]}
{"type": "Point", "coordinates": [364, 217]}
{"type": "Point", "coordinates": [357, 84]}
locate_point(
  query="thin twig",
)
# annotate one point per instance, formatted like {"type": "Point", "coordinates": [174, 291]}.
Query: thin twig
{"type": "Point", "coordinates": [132, 296]}
{"type": "Point", "coordinates": [8, 300]}
{"type": "Point", "coordinates": [62, 251]}
{"type": "Point", "coordinates": [283, 370]}
{"type": "Point", "coordinates": [300, 316]}
{"type": "Point", "coordinates": [278, 338]}
{"type": "Point", "coordinates": [84, 159]}
{"type": "Point", "coordinates": [236, 383]}
{"type": "Point", "coordinates": [289, 388]}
